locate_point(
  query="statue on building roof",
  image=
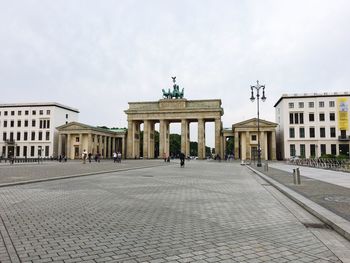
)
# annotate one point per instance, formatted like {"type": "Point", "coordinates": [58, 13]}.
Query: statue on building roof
{"type": "Point", "coordinates": [176, 93]}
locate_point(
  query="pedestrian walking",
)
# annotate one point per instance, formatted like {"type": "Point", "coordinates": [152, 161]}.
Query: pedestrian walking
{"type": "Point", "coordinates": [84, 156]}
{"type": "Point", "coordinates": [182, 160]}
{"type": "Point", "coordinates": [119, 157]}
{"type": "Point", "coordinates": [115, 156]}
{"type": "Point", "coordinates": [89, 156]}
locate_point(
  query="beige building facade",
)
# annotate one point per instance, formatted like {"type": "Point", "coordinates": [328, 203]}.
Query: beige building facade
{"type": "Point", "coordinates": [246, 139]}
{"type": "Point", "coordinates": [164, 112]}
{"type": "Point", "coordinates": [76, 137]}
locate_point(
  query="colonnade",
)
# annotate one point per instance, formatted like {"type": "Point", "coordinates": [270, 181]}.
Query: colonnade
{"type": "Point", "coordinates": [72, 144]}
{"type": "Point", "coordinates": [133, 138]}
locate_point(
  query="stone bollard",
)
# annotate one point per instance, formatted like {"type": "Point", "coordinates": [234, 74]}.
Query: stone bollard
{"type": "Point", "coordinates": [294, 176]}
{"type": "Point", "coordinates": [266, 167]}
{"type": "Point", "coordinates": [298, 176]}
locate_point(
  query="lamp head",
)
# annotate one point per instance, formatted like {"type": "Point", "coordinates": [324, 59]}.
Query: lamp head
{"type": "Point", "coordinates": [263, 98]}
{"type": "Point", "coordinates": [252, 98]}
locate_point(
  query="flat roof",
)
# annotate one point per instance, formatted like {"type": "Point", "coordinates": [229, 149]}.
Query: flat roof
{"type": "Point", "coordinates": [312, 95]}
{"type": "Point", "coordinates": [38, 104]}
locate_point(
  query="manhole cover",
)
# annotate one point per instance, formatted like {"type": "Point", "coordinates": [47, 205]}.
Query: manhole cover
{"type": "Point", "coordinates": [338, 199]}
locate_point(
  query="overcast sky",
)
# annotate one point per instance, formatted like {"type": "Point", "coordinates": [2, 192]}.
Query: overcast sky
{"type": "Point", "coordinates": [99, 55]}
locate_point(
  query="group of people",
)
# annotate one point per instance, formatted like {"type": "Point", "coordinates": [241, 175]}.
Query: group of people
{"type": "Point", "coordinates": [117, 157]}
{"type": "Point", "coordinates": [88, 156]}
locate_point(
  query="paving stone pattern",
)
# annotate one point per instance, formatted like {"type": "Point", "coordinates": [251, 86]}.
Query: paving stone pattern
{"type": "Point", "coordinates": [205, 212]}
{"type": "Point", "coordinates": [333, 197]}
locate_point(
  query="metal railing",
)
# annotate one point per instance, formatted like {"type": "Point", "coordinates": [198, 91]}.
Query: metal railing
{"type": "Point", "coordinates": [324, 163]}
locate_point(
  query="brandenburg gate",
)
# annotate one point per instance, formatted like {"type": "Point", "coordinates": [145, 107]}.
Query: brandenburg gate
{"type": "Point", "coordinates": [173, 108]}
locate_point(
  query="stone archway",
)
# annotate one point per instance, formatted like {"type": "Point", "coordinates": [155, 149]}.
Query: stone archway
{"type": "Point", "coordinates": [166, 111]}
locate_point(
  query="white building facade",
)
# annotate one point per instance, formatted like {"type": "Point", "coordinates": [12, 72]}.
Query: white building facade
{"type": "Point", "coordinates": [312, 125]}
{"type": "Point", "coordinates": [29, 129]}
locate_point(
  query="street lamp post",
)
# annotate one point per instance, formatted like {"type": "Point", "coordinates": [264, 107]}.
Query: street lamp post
{"type": "Point", "coordinates": [263, 98]}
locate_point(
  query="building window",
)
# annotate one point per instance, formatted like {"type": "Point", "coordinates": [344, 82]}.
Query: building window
{"type": "Point", "coordinates": [311, 104]}
{"type": "Point", "coordinates": [343, 134]}
{"type": "Point", "coordinates": [301, 105]}
{"type": "Point", "coordinates": [47, 112]}
{"type": "Point", "coordinates": [5, 113]}
{"type": "Point", "coordinates": [12, 123]}
{"type": "Point", "coordinates": [333, 149]}
{"type": "Point", "coordinates": [40, 136]}
{"type": "Point", "coordinates": [19, 113]}
{"type": "Point", "coordinates": [18, 151]}
{"type": "Point", "coordinates": [47, 136]}
{"type": "Point", "coordinates": [18, 136]}
{"type": "Point", "coordinates": [26, 112]}
{"type": "Point", "coordinates": [4, 136]}
{"type": "Point", "coordinates": [296, 118]}
{"type": "Point", "coordinates": [19, 123]}
{"type": "Point", "coordinates": [25, 151]}
{"type": "Point", "coordinates": [25, 136]}
{"type": "Point", "coordinates": [323, 149]}
{"type": "Point", "coordinates": [33, 112]}
{"type": "Point", "coordinates": [32, 151]}
{"type": "Point", "coordinates": [48, 124]}
{"type": "Point", "coordinates": [302, 150]}
{"type": "Point", "coordinates": [13, 113]}
{"type": "Point", "coordinates": [321, 104]}
{"type": "Point", "coordinates": [47, 151]}
{"type": "Point", "coordinates": [40, 124]}
{"type": "Point", "coordinates": [33, 123]}
{"type": "Point", "coordinates": [301, 118]}
{"type": "Point", "coordinates": [322, 132]}
{"type": "Point", "coordinates": [41, 112]}
{"type": "Point", "coordinates": [292, 150]}
{"type": "Point", "coordinates": [66, 116]}
{"type": "Point", "coordinates": [321, 116]}
{"type": "Point", "coordinates": [311, 117]}
{"type": "Point", "coordinates": [291, 118]}
{"type": "Point", "coordinates": [332, 116]}
{"type": "Point", "coordinates": [332, 104]}
{"type": "Point", "coordinates": [76, 139]}
{"type": "Point", "coordinates": [11, 136]}
{"type": "Point", "coordinates": [25, 123]}
{"type": "Point", "coordinates": [302, 132]}
{"type": "Point", "coordinates": [5, 124]}
{"type": "Point", "coordinates": [312, 150]}
{"type": "Point", "coordinates": [33, 136]}
{"type": "Point", "coordinates": [332, 132]}
{"type": "Point", "coordinates": [312, 132]}
{"type": "Point", "coordinates": [291, 133]}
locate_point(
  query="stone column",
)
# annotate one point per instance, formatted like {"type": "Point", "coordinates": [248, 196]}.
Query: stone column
{"type": "Point", "coordinates": [273, 145]}
{"type": "Point", "coordinates": [218, 137]}
{"type": "Point", "coordinates": [95, 143]}
{"type": "Point", "coordinates": [68, 146]}
{"type": "Point", "coordinates": [262, 145]}
{"type": "Point", "coordinates": [167, 138]}
{"type": "Point", "coordinates": [130, 140]}
{"type": "Point", "coordinates": [236, 145]}
{"type": "Point", "coordinates": [105, 146]}
{"type": "Point", "coordinates": [136, 148]}
{"type": "Point", "coordinates": [248, 152]}
{"type": "Point", "coordinates": [146, 138]}
{"type": "Point", "coordinates": [123, 149]}
{"type": "Point", "coordinates": [188, 141]}
{"type": "Point", "coordinates": [184, 134]}
{"type": "Point", "coordinates": [89, 149]}
{"type": "Point", "coordinates": [151, 140]}
{"type": "Point", "coordinates": [162, 135]}
{"type": "Point", "coordinates": [201, 139]}
{"type": "Point", "coordinates": [59, 151]}
{"type": "Point", "coordinates": [80, 145]}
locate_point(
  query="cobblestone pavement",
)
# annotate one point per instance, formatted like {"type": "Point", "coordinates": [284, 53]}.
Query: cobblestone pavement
{"type": "Point", "coordinates": [205, 212]}
{"type": "Point", "coordinates": [331, 196]}
{"type": "Point", "coordinates": [20, 172]}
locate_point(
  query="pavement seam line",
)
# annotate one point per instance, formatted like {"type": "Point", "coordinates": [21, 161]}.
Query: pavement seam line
{"type": "Point", "coordinates": [10, 247]}
{"type": "Point", "coordinates": [75, 175]}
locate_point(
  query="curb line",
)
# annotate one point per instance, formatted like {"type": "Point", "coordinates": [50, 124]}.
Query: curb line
{"type": "Point", "coordinates": [75, 175]}
{"type": "Point", "coordinates": [339, 224]}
